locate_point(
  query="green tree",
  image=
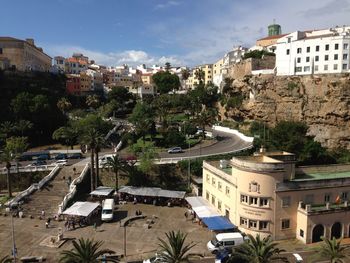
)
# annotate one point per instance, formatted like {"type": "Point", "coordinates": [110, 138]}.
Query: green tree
{"type": "Point", "coordinates": [166, 82]}
{"type": "Point", "coordinates": [206, 118]}
{"type": "Point", "coordinates": [200, 75]}
{"type": "Point", "coordinates": [7, 158]}
{"type": "Point", "coordinates": [332, 250]}
{"type": "Point", "coordinates": [227, 88]}
{"type": "Point", "coordinates": [174, 249]}
{"type": "Point", "coordinates": [93, 101]}
{"type": "Point", "coordinates": [84, 251]}
{"type": "Point", "coordinates": [162, 105]}
{"type": "Point", "coordinates": [64, 105]}
{"type": "Point", "coordinates": [100, 142]}
{"type": "Point", "coordinates": [23, 125]}
{"type": "Point", "coordinates": [146, 153]}
{"type": "Point", "coordinates": [167, 66]}
{"type": "Point", "coordinates": [68, 135]}
{"type": "Point", "coordinates": [6, 259]}
{"type": "Point", "coordinates": [142, 117]}
{"type": "Point", "coordinates": [116, 164]}
{"type": "Point", "coordinates": [185, 74]}
{"type": "Point", "coordinates": [7, 128]}
{"type": "Point", "coordinates": [257, 250]}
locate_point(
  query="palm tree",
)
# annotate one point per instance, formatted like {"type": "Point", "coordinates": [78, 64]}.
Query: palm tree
{"type": "Point", "coordinates": [7, 127]}
{"type": "Point", "coordinates": [174, 249]}
{"type": "Point", "coordinates": [92, 101]}
{"type": "Point", "coordinates": [257, 250]}
{"type": "Point", "coordinates": [90, 137]}
{"type": "Point", "coordinates": [185, 74]}
{"type": "Point", "coordinates": [205, 118]}
{"type": "Point", "coordinates": [67, 134]}
{"type": "Point", "coordinates": [332, 250]}
{"type": "Point", "coordinates": [23, 125]}
{"type": "Point", "coordinates": [63, 105]}
{"type": "Point", "coordinates": [200, 75]}
{"type": "Point", "coordinates": [116, 164]}
{"type": "Point", "coordinates": [8, 157]}
{"type": "Point", "coordinates": [84, 251]}
{"type": "Point", "coordinates": [6, 259]}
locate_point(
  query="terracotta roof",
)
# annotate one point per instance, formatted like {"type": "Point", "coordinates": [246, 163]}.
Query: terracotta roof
{"type": "Point", "coordinates": [272, 37]}
{"type": "Point", "coordinates": [75, 60]}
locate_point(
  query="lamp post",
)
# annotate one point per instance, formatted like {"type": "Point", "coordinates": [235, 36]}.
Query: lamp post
{"type": "Point", "coordinates": [124, 241]}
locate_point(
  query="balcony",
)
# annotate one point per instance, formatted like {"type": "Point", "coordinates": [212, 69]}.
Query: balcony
{"type": "Point", "coordinates": [323, 208]}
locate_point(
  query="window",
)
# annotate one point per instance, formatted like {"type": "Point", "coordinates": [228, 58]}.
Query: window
{"type": "Point", "coordinates": [227, 190]}
{"type": "Point", "coordinates": [208, 178]}
{"type": "Point", "coordinates": [325, 67]}
{"type": "Point", "coordinates": [317, 48]}
{"type": "Point", "coordinates": [327, 198]}
{"type": "Point", "coordinates": [327, 47]}
{"type": "Point", "coordinates": [298, 60]}
{"type": "Point", "coordinates": [285, 223]}
{"type": "Point", "coordinates": [299, 50]}
{"type": "Point", "coordinates": [335, 56]}
{"type": "Point", "coordinates": [244, 199]}
{"type": "Point", "coordinates": [219, 205]}
{"type": "Point", "coordinates": [219, 186]}
{"type": "Point", "coordinates": [344, 195]}
{"type": "Point", "coordinates": [345, 56]}
{"type": "Point", "coordinates": [244, 221]}
{"type": "Point", "coordinates": [345, 46]}
{"type": "Point", "coordinates": [316, 67]}
{"type": "Point", "coordinates": [264, 202]}
{"type": "Point", "coordinates": [213, 200]}
{"type": "Point", "coordinates": [335, 66]}
{"type": "Point", "coordinates": [326, 57]}
{"type": "Point", "coordinates": [288, 51]}
{"type": "Point", "coordinates": [345, 66]}
{"type": "Point", "coordinates": [253, 223]}
{"type": "Point", "coordinates": [301, 233]}
{"type": "Point", "coordinates": [336, 46]}
{"type": "Point", "coordinates": [289, 39]}
{"type": "Point", "coordinates": [263, 225]}
{"type": "Point", "coordinates": [317, 58]}
{"type": "Point", "coordinates": [307, 59]}
{"type": "Point", "coordinates": [207, 195]}
{"type": "Point", "coordinates": [298, 69]}
{"type": "Point", "coordinates": [253, 200]}
{"type": "Point", "coordinates": [306, 68]}
{"type": "Point", "coordinates": [213, 181]}
{"type": "Point", "coordinates": [307, 49]}
{"type": "Point", "coordinates": [229, 243]}
{"type": "Point", "coordinates": [285, 201]}
{"type": "Point", "coordinates": [309, 199]}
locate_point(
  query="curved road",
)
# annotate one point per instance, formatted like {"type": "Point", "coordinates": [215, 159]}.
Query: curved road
{"type": "Point", "coordinates": [227, 143]}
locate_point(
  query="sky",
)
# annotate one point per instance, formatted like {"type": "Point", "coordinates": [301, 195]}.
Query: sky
{"type": "Point", "coordinates": [182, 32]}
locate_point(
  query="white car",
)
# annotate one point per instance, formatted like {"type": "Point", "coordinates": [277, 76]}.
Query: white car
{"type": "Point", "coordinates": [154, 259]}
{"type": "Point", "coordinates": [175, 150]}
{"type": "Point", "coordinates": [61, 162]}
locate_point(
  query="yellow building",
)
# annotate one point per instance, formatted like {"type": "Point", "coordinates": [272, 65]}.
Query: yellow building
{"type": "Point", "coordinates": [192, 81]}
{"type": "Point", "coordinates": [23, 55]}
{"type": "Point", "coordinates": [85, 82]}
{"type": "Point", "coordinates": [265, 194]}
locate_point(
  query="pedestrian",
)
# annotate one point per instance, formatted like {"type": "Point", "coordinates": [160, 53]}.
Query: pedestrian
{"type": "Point", "coordinates": [73, 224]}
{"type": "Point", "coordinates": [66, 225]}
{"type": "Point", "coordinates": [47, 224]}
{"type": "Point", "coordinates": [74, 170]}
{"type": "Point", "coordinates": [42, 213]}
{"type": "Point", "coordinates": [95, 226]}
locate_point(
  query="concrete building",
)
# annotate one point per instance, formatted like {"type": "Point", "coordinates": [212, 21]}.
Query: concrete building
{"type": "Point", "coordinates": [96, 79]}
{"type": "Point", "coordinates": [265, 194]}
{"type": "Point", "coordinates": [73, 84]}
{"type": "Point", "coordinates": [314, 52]}
{"type": "Point", "coordinates": [59, 64]}
{"type": "Point", "coordinates": [218, 76]}
{"type": "Point", "coordinates": [85, 82]}
{"type": "Point", "coordinates": [192, 81]}
{"type": "Point", "coordinates": [74, 65]}
{"type": "Point", "coordinates": [23, 55]}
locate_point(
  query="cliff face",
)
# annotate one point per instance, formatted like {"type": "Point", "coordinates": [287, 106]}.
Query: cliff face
{"type": "Point", "coordinates": [321, 101]}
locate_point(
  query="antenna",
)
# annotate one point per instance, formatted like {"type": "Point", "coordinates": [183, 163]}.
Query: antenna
{"type": "Point", "coordinates": [274, 21]}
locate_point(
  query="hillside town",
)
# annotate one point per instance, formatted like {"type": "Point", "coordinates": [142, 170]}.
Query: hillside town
{"type": "Point", "coordinates": [241, 159]}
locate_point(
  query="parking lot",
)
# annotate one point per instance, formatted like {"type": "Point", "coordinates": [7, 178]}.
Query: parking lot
{"type": "Point", "coordinates": [141, 242]}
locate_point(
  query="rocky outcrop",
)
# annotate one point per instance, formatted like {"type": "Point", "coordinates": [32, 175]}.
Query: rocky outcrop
{"type": "Point", "coordinates": [321, 101]}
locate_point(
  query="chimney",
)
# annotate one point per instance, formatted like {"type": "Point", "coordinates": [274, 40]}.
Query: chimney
{"type": "Point", "coordinates": [30, 41]}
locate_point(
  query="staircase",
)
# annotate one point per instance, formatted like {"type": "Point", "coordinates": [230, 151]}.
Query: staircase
{"type": "Point", "coordinates": [51, 195]}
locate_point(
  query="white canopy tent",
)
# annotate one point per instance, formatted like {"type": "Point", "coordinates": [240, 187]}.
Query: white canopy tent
{"type": "Point", "coordinates": [102, 191]}
{"type": "Point", "coordinates": [81, 209]}
{"type": "Point", "coordinates": [201, 207]}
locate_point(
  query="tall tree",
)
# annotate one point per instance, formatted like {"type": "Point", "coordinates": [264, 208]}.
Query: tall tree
{"type": "Point", "coordinates": [166, 82]}
{"type": "Point", "coordinates": [174, 249]}
{"type": "Point", "coordinates": [142, 118]}
{"type": "Point", "coordinates": [206, 118]}
{"type": "Point", "coordinates": [68, 135]}
{"type": "Point", "coordinates": [92, 101]}
{"type": "Point", "coordinates": [200, 75]}
{"type": "Point", "coordinates": [167, 66]}
{"type": "Point", "coordinates": [331, 250]}
{"type": "Point", "coordinates": [7, 127]}
{"type": "Point", "coordinates": [116, 164]}
{"type": "Point", "coordinates": [23, 125]}
{"type": "Point", "coordinates": [64, 105]}
{"type": "Point", "coordinates": [185, 74]}
{"type": "Point", "coordinates": [257, 250]}
{"type": "Point", "coordinates": [84, 251]}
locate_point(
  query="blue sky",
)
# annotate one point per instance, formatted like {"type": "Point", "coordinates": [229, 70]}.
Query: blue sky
{"type": "Point", "coordinates": [183, 32]}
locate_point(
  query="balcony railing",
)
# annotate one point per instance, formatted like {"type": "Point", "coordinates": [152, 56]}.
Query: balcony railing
{"type": "Point", "coordinates": [326, 207]}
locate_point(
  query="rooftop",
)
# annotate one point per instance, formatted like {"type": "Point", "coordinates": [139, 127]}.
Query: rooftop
{"type": "Point", "coordinates": [321, 176]}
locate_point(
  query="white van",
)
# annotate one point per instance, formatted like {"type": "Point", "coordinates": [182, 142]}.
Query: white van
{"type": "Point", "coordinates": [225, 240]}
{"type": "Point", "coordinates": [107, 209]}
{"type": "Point", "coordinates": [103, 160]}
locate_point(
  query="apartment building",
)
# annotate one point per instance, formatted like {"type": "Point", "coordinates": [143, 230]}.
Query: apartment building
{"type": "Point", "coordinates": [218, 75]}
{"type": "Point", "coordinates": [23, 55]}
{"type": "Point", "coordinates": [96, 79]}
{"type": "Point", "coordinates": [192, 81]}
{"type": "Point", "coordinates": [265, 194]}
{"type": "Point", "coordinates": [314, 52]}
{"type": "Point", "coordinates": [73, 84]}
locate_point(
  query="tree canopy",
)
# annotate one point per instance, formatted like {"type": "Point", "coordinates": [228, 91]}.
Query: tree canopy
{"type": "Point", "coordinates": [166, 82]}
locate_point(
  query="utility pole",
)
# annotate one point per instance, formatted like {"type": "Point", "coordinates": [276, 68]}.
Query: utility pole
{"type": "Point", "coordinates": [124, 241]}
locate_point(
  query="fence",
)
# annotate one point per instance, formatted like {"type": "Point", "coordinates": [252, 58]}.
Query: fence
{"type": "Point", "coordinates": [28, 169]}
{"type": "Point", "coordinates": [15, 201]}
{"type": "Point", "coordinates": [72, 189]}
{"type": "Point", "coordinates": [234, 132]}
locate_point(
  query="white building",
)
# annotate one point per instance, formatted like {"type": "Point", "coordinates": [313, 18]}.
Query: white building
{"type": "Point", "coordinates": [314, 52]}
{"type": "Point", "coordinates": [96, 79]}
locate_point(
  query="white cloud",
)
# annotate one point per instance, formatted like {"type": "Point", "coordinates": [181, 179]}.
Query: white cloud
{"type": "Point", "coordinates": [130, 57]}
{"type": "Point", "coordinates": [166, 4]}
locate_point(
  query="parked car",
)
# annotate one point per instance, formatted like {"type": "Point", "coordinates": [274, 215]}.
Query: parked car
{"type": "Point", "coordinates": [154, 259]}
{"type": "Point", "coordinates": [175, 150]}
{"type": "Point", "coordinates": [61, 162]}
{"type": "Point", "coordinates": [43, 157]}
{"type": "Point", "coordinates": [38, 163]}
{"type": "Point", "coordinates": [61, 156]}
{"type": "Point", "coordinates": [76, 156]}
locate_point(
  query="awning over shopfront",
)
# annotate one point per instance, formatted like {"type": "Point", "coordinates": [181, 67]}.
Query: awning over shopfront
{"type": "Point", "coordinates": [151, 192]}
{"type": "Point", "coordinates": [102, 191]}
{"type": "Point", "coordinates": [81, 209]}
{"type": "Point", "coordinates": [218, 223]}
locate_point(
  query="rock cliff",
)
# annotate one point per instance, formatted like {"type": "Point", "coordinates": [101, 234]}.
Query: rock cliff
{"type": "Point", "coordinates": [321, 101]}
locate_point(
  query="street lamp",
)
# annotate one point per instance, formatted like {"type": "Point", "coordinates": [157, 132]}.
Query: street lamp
{"type": "Point", "coordinates": [13, 249]}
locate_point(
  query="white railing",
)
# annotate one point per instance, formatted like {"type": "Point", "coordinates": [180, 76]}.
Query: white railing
{"type": "Point", "coordinates": [28, 169]}
{"type": "Point", "coordinates": [235, 132]}
{"type": "Point", "coordinates": [72, 189]}
{"type": "Point", "coordinates": [32, 188]}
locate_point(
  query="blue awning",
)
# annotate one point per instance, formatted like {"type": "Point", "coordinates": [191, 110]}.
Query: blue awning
{"type": "Point", "coordinates": [218, 223]}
